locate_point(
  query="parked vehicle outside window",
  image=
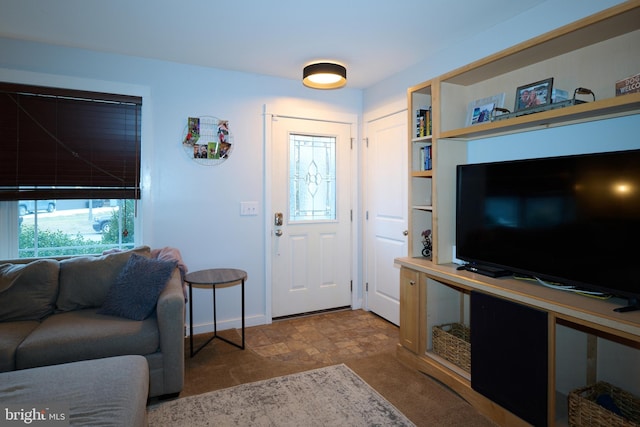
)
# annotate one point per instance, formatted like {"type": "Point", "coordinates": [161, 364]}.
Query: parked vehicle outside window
{"type": "Point", "coordinates": [30, 206]}
{"type": "Point", "coordinates": [74, 229]}
{"type": "Point", "coordinates": [102, 224]}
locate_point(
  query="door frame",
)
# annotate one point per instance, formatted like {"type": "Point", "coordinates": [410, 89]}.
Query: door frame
{"type": "Point", "coordinates": [297, 112]}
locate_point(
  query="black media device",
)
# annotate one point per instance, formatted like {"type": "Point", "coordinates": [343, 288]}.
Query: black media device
{"type": "Point", "coordinates": [574, 220]}
{"type": "Point", "coordinates": [485, 270]}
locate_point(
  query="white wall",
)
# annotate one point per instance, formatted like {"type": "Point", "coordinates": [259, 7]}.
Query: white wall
{"type": "Point", "coordinates": [196, 208]}
{"type": "Point", "coordinates": [186, 205]}
{"type": "Point", "coordinates": [535, 21]}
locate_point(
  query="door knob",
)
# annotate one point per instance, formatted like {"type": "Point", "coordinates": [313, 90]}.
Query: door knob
{"type": "Point", "coordinates": [405, 232]}
{"type": "Point", "coordinates": [278, 233]}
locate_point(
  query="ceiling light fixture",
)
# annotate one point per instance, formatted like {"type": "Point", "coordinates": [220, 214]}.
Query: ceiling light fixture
{"type": "Point", "coordinates": [324, 75]}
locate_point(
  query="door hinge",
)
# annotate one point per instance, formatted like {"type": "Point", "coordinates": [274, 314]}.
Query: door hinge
{"type": "Point", "coordinates": [366, 287]}
{"type": "Point", "coordinates": [366, 215]}
{"type": "Point", "coordinates": [351, 215]}
{"type": "Point", "coordinates": [352, 139]}
{"type": "Point", "coordinates": [366, 141]}
{"type": "Point", "coordinates": [351, 285]}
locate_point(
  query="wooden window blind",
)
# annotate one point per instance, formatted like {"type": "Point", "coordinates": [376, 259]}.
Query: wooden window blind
{"type": "Point", "coordinates": [68, 144]}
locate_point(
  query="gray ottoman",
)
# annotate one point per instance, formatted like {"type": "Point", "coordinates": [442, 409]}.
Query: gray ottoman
{"type": "Point", "coordinates": [101, 392]}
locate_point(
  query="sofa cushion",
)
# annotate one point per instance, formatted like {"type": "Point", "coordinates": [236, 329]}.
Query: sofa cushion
{"type": "Point", "coordinates": [85, 281]}
{"type": "Point", "coordinates": [105, 392]}
{"type": "Point", "coordinates": [135, 292]}
{"type": "Point", "coordinates": [84, 334]}
{"type": "Point", "coordinates": [11, 336]}
{"type": "Point", "coordinates": [28, 291]}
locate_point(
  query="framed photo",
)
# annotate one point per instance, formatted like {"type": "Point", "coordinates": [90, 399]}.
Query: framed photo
{"type": "Point", "coordinates": [534, 95]}
{"type": "Point", "coordinates": [480, 111]}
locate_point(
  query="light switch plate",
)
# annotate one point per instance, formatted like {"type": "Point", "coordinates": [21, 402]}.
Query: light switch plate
{"type": "Point", "coordinates": [248, 208]}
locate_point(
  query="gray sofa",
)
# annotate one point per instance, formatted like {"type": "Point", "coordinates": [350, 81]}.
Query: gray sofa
{"type": "Point", "coordinates": [59, 311]}
{"type": "Point", "coordinates": [100, 392]}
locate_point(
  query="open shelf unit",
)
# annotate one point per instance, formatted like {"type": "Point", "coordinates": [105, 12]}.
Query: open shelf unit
{"type": "Point", "coordinates": [597, 110]}
{"type": "Point", "coordinates": [420, 177]}
{"type": "Point", "coordinates": [587, 340]}
{"type": "Point", "coordinates": [593, 53]}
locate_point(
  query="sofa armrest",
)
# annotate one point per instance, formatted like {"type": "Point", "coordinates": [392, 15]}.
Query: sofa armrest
{"type": "Point", "coordinates": [170, 313]}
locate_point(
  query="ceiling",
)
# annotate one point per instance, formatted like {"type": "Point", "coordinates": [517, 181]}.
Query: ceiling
{"type": "Point", "coordinates": [374, 39]}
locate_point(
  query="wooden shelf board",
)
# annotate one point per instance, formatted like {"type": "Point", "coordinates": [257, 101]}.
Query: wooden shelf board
{"type": "Point", "coordinates": [423, 207]}
{"type": "Point", "coordinates": [574, 308]}
{"type": "Point", "coordinates": [422, 174]}
{"type": "Point", "coordinates": [453, 368]}
{"type": "Point", "coordinates": [427, 138]}
{"type": "Point", "coordinates": [601, 109]}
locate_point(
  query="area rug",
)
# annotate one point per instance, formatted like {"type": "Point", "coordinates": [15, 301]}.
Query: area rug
{"type": "Point", "coordinates": [331, 396]}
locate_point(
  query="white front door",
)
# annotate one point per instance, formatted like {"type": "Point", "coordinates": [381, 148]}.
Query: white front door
{"type": "Point", "coordinates": [311, 218]}
{"type": "Point", "coordinates": [386, 207]}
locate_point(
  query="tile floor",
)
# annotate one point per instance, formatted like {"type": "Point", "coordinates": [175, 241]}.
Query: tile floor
{"type": "Point", "coordinates": [324, 338]}
{"type": "Point", "coordinates": [361, 340]}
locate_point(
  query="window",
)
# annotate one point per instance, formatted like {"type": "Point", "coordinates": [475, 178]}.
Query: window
{"type": "Point", "coordinates": [312, 178]}
{"type": "Point", "coordinates": [67, 158]}
{"type": "Point", "coordinates": [72, 227]}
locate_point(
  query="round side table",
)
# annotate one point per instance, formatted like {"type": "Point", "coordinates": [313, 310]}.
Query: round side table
{"type": "Point", "coordinates": [211, 279]}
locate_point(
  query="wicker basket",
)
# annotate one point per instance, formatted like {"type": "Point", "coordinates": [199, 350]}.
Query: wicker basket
{"type": "Point", "coordinates": [451, 341]}
{"type": "Point", "coordinates": [584, 411]}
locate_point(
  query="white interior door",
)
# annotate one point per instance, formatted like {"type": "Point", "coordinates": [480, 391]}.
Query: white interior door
{"type": "Point", "coordinates": [311, 226]}
{"type": "Point", "coordinates": [386, 206]}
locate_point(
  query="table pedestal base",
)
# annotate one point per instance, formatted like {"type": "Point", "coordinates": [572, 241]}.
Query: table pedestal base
{"type": "Point", "coordinates": [214, 278]}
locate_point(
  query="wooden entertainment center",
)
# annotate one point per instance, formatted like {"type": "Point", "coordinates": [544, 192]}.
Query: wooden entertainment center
{"type": "Point", "coordinates": [594, 53]}
{"type": "Point", "coordinates": [432, 294]}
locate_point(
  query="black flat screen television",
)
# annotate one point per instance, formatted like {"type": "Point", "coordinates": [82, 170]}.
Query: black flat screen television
{"type": "Point", "coordinates": [573, 220]}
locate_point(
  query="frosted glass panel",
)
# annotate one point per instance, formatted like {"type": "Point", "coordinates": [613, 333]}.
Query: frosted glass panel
{"type": "Point", "coordinates": [312, 178]}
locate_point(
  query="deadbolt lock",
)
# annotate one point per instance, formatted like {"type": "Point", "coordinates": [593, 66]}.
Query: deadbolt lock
{"type": "Point", "coordinates": [278, 219]}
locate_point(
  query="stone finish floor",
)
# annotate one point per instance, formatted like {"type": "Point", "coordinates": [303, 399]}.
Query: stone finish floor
{"type": "Point", "coordinates": [326, 338]}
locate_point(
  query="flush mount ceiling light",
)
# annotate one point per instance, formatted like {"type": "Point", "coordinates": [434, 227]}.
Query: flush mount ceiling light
{"type": "Point", "coordinates": [324, 75]}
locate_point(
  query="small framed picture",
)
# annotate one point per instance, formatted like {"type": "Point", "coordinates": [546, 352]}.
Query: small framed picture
{"type": "Point", "coordinates": [534, 94]}
{"type": "Point", "coordinates": [480, 111]}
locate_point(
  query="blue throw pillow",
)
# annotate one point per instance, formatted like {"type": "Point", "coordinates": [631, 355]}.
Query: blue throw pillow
{"type": "Point", "coordinates": [135, 292]}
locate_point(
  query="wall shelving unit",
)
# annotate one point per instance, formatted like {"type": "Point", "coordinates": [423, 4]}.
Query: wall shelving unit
{"type": "Point", "coordinates": [593, 53]}
{"type": "Point", "coordinates": [420, 179]}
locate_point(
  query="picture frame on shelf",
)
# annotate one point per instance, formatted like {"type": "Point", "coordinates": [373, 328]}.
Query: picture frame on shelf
{"type": "Point", "coordinates": [533, 95]}
{"type": "Point", "coordinates": [480, 111]}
